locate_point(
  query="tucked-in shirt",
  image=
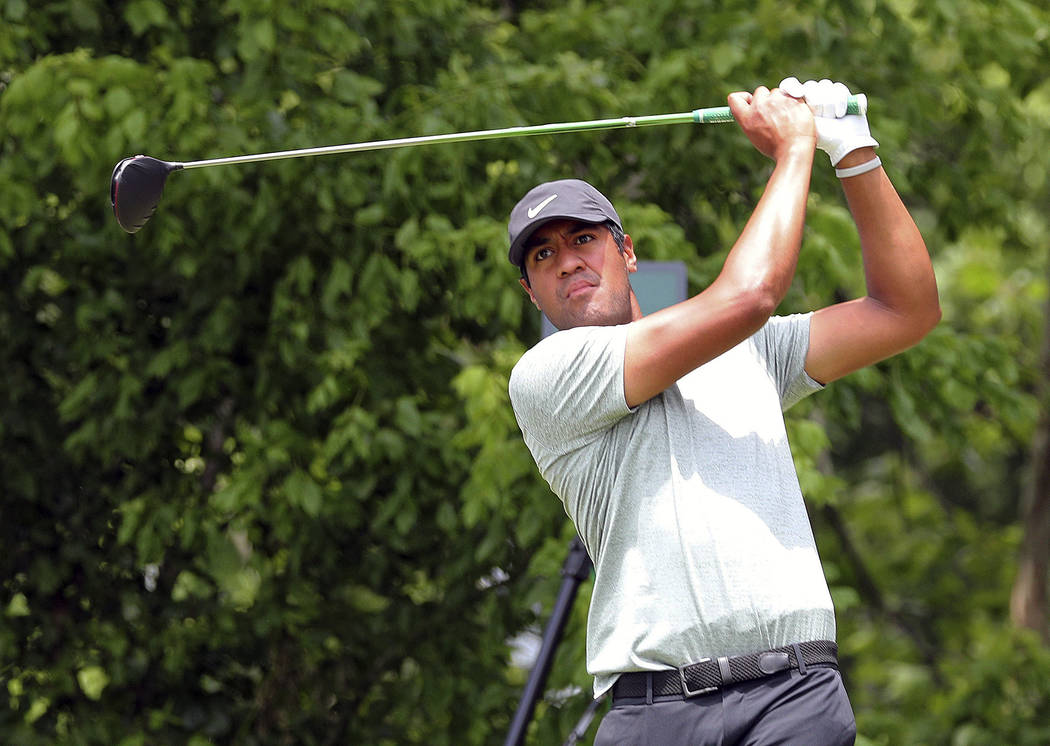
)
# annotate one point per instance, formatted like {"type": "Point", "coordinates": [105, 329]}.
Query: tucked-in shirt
{"type": "Point", "coordinates": [689, 504]}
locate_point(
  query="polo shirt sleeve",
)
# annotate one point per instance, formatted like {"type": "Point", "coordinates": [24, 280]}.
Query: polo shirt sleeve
{"type": "Point", "coordinates": [568, 389]}
{"type": "Point", "coordinates": [783, 343]}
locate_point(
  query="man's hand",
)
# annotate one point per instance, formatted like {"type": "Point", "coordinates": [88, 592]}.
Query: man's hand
{"type": "Point", "coordinates": [837, 133]}
{"type": "Point", "coordinates": [773, 121]}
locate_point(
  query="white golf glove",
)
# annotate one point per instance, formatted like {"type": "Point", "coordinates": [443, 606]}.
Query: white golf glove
{"type": "Point", "coordinates": [838, 133]}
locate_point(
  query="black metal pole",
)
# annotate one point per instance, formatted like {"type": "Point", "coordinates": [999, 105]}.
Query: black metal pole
{"type": "Point", "coordinates": [576, 569]}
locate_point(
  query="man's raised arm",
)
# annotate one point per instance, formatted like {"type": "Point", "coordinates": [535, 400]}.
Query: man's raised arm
{"type": "Point", "coordinates": [901, 305]}
{"type": "Point", "coordinates": [664, 346]}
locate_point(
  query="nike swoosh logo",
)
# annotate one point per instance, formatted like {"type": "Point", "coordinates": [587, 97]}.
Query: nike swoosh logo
{"type": "Point", "coordinates": [535, 210]}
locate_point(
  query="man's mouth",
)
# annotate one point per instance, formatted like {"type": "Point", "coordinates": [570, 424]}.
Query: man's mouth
{"type": "Point", "coordinates": [578, 287]}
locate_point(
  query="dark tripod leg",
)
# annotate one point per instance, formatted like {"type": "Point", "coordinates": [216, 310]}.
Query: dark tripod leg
{"type": "Point", "coordinates": [576, 569]}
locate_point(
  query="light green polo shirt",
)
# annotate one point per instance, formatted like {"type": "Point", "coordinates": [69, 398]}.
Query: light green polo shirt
{"type": "Point", "coordinates": [689, 505]}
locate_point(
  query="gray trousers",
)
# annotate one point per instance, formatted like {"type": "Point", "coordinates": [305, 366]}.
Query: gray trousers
{"type": "Point", "coordinates": [786, 709]}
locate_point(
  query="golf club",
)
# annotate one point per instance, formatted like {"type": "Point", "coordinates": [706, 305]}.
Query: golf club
{"type": "Point", "coordinates": [138, 182]}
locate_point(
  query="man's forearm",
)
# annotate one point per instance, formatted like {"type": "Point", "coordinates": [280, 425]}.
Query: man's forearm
{"type": "Point", "coordinates": [897, 267]}
{"type": "Point", "coordinates": [901, 305]}
{"type": "Point", "coordinates": [665, 345]}
{"type": "Point", "coordinates": [766, 254]}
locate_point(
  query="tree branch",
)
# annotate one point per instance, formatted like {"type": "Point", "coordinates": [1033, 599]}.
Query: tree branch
{"type": "Point", "coordinates": [1029, 607]}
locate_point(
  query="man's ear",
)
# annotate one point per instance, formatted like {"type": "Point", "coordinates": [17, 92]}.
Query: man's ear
{"type": "Point", "coordinates": [628, 254]}
{"type": "Point", "coordinates": [528, 289]}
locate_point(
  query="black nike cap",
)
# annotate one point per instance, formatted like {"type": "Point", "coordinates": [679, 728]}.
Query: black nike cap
{"type": "Point", "coordinates": [566, 199]}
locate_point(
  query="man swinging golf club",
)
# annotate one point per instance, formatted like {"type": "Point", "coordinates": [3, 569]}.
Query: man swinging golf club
{"type": "Point", "coordinates": [663, 435]}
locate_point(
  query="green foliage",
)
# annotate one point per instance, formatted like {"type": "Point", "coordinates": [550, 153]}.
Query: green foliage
{"type": "Point", "coordinates": [261, 479]}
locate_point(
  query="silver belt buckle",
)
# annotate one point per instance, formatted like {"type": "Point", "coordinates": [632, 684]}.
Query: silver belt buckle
{"type": "Point", "coordinates": [686, 691]}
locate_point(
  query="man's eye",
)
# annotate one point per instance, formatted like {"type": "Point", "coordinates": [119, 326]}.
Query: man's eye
{"type": "Point", "coordinates": [542, 254]}
{"type": "Point", "coordinates": [584, 238]}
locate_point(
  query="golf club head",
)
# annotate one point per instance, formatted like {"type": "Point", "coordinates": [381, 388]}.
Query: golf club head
{"type": "Point", "coordinates": [136, 187]}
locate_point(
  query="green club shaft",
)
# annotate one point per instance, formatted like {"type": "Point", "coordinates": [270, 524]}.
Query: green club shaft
{"type": "Point", "coordinates": [714, 115]}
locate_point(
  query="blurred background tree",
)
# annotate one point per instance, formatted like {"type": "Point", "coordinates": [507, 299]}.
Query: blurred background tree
{"type": "Point", "coordinates": [261, 481]}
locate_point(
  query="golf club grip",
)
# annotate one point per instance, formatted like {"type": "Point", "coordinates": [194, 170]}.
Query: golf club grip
{"type": "Point", "coordinates": [855, 104]}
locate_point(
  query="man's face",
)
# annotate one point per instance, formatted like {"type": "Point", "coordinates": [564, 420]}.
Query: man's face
{"type": "Point", "coordinates": [577, 275]}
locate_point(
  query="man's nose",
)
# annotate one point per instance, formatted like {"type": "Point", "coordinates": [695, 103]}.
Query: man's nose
{"type": "Point", "coordinates": [569, 261]}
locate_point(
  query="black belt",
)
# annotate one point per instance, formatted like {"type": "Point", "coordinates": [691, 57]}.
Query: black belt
{"type": "Point", "coordinates": [711, 674]}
